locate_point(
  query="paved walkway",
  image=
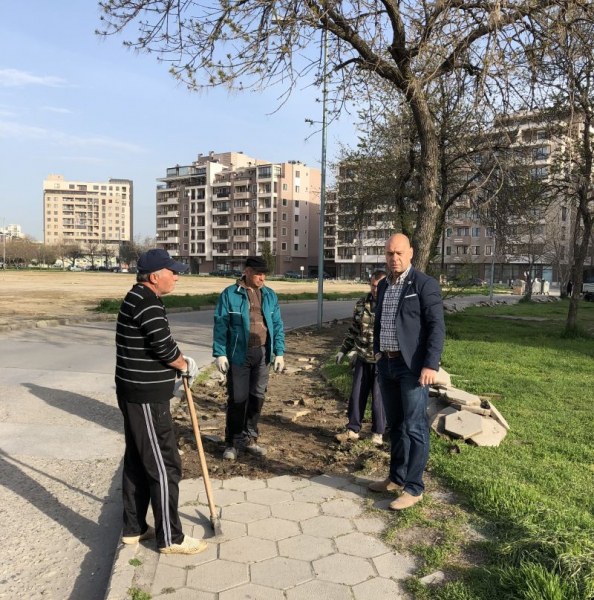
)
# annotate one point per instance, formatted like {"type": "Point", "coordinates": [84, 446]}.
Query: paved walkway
{"type": "Point", "coordinates": [282, 538]}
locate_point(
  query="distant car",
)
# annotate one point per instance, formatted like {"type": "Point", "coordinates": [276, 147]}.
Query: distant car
{"type": "Point", "coordinates": [74, 268]}
{"type": "Point", "coordinates": [293, 275]}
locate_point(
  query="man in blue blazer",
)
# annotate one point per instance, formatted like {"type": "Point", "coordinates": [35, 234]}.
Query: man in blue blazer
{"type": "Point", "coordinates": [408, 340]}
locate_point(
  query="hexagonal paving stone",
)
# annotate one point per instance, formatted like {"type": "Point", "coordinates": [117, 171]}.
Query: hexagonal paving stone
{"type": "Point", "coordinates": [268, 496]}
{"type": "Point", "coordinates": [295, 511]}
{"type": "Point", "coordinates": [341, 507]}
{"type": "Point", "coordinates": [354, 492]}
{"type": "Point", "coordinates": [333, 481]}
{"type": "Point", "coordinates": [287, 483]}
{"type": "Point", "coordinates": [394, 565]}
{"type": "Point", "coordinates": [281, 573]}
{"type": "Point", "coordinates": [305, 547]}
{"type": "Point", "coordinates": [273, 529]}
{"type": "Point", "coordinates": [341, 568]}
{"type": "Point", "coordinates": [243, 484]}
{"type": "Point", "coordinates": [361, 544]}
{"type": "Point", "coordinates": [325, 526]}
{"type": "Point", "coordinates": [230, 531]}
{"type": "Point", "coordinates": [217, 576]}
{"type": "Point", "coordinates": [378, 587]}
{"type": "Point", "coordinates": [369, 524]}
{"type": "Point", "coordinates": [186, 594]}
{"type": "Point", "coordinates": [251, 591]}
{"type": "Point", "coordinates": [247, 550]}
{"type": "Point", "coordinates": [223, 497]}
{"type": "Point", "coordinates": [320, 590]}
{"type": "Point", "coordinates": [246, 512]}
{"type": "Point", "coordinates": [315, 493]}
{"type": "Point", "coordinates": [168, 577]}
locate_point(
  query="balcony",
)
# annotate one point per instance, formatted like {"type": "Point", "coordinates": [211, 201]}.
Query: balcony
{"type": "Point", "coordinates": [241, 253]}
{"type": "Point", "coordinates": [220, 225]}
{"type": "Point", "coordinates": [241, 210]}
{"type": "Point", "coordinates": [241, 238]}
{"type": "Point", "coordinates": [169, 240]}
{"type": "Point", "coordinates": [242, 195]}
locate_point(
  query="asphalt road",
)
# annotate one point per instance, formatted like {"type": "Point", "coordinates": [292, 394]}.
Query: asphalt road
{"type": "Point", "coordinates": [61, 446]}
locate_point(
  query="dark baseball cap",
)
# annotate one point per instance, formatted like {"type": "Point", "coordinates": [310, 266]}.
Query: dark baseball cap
{"type": "Point", "coordinates": [257, 263]}
{"type": "Point", "coordinates": [157, 259]}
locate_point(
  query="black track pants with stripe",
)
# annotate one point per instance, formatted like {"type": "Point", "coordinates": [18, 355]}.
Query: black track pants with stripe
{"type": "Point", "coordinates": [152, 471]}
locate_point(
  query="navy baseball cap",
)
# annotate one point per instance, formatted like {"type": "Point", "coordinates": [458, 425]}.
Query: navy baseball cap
{"type": "Point", "coordinates": [157, 259]}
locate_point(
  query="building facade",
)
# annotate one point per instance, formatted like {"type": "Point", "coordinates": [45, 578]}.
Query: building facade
{"type": "Point", "coordinates": [91, 214]}
{"type": "Point", "coordinates": [222, 208]}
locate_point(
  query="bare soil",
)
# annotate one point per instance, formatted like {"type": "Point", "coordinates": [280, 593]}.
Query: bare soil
{"type": "Point", "coordinates": [33, 295]}
{"type": "Point", "coordinates": [300, 418]}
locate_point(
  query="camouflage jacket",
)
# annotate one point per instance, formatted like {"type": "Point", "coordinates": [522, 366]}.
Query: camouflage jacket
{"type": "Point", "coordinates": [359, 336]}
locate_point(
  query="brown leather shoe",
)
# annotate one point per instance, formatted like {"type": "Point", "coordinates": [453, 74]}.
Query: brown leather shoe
{"type": "Point", "coordinates": [386, 485]}
{"type": "Point", "coordinates": [405, 501]}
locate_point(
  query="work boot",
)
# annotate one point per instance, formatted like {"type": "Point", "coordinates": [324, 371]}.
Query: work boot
{"type": "Point", "coordinates": [190, 545]}
{"type": "Point", "coordinates": [253, 448]}
{"type": "Point", "coordinates": [149, 534]}
{"type": "Point", "coordinates": [347, 436]}
{"type": "Point", "coordinates": [384, 486]}
{"type": "Point", "coordinates": [230, 453]}
{"type": "Point", "coordinates": [377, 439]}
{"type": "Point", "coordinates": [405, 501]}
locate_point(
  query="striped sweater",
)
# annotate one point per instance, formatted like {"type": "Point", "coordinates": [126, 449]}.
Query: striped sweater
{"type": "Point", "coordinates": [144, 347]}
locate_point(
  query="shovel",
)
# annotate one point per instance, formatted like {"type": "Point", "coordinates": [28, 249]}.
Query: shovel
{"type": "Point", "coordinates": [214, 520]}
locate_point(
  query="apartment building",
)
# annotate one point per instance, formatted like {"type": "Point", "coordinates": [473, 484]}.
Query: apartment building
{"type": "Point", "coordinates": [89, 213]}
{"type": "Point", "coordinates": [222, 208]}
{"type": "Point", "coordinates": [540, 241]}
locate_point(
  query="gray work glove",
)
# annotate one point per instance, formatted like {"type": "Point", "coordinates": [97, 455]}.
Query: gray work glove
{"type": "Point", "coordinates": [339, 357]}
{"type": "Point", "coordinates": [279, 364]}
{"type": "Point", "coordinates": [192, 369]}
{"type": "Point", "coordinates": [222, 363]}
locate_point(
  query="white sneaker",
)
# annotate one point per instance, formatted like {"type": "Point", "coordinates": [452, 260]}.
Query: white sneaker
{"type": "Point", "coordinates": [230, 453]}
{"type": "Point", "coordinates": [377, 439]}
{"type": "Point", "coordinates": [190, 545]}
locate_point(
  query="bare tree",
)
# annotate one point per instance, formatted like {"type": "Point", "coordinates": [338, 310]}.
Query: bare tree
{"type": "Point", "coordinates": [409, 44]}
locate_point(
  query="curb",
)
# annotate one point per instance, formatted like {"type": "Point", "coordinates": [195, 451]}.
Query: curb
{"type": "Point", "coordinates": [42, 323]}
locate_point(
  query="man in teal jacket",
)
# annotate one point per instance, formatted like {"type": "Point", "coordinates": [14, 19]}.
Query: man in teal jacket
{"type": "Point", "coordinates": [248, 336]}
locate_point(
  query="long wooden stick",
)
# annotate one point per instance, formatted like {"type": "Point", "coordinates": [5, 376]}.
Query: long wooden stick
{"type": "Point", "coordinates": [214, 520]}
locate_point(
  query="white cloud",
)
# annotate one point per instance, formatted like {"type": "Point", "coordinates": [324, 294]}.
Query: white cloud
{"type": "Point", "coordinates": [16, 78]}
{"type": "Point", "coordinates": [20, 132]}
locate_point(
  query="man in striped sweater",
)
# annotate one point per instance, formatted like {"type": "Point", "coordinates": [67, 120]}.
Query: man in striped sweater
{"type": "Point", "coordinates": [148, 362]}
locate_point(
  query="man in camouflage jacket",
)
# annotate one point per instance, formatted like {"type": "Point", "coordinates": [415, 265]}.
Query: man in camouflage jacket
{"type": "Point", "coordinates": [358, 344]}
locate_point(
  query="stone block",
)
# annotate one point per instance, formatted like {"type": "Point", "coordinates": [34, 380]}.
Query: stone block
{"type": "Point", "coordinates": [291, 415]}
{"type": "Point", "coordinates": [463, 424]}
{"type": "Point", "coordinates": [443, 379]}
{"type": "Point", "coordinates": [477, 410]}
{"type": "Point", "coordinates": [438, 421]}
{"type": "Point", "coordinates": [492, 434]}
{"type": "Point", "coordinates": [495, 414]}
{"type": "Point", "coordinates": [456, 396]}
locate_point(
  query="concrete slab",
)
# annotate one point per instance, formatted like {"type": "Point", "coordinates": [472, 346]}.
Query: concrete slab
{"type": "Point", "coordinates": [248, 550]}
{"type": "Point", "coordinates": [491, 435]}
{"type": "Point", "coordinates": [456, 396]}
{"type": "Point", "coordinates": [295, 511]}
{"type": "Point", "coordinates": [272, 528]}
{"type": "Point", "coordinates": [361, 544]}
{"type": "Point", "coordinates": [318, 590]}
{"type": "Point", "coordinates": [325, 526]}
{"type": "Point", "coordinates": [218, 576]}
{"type": "Point", "coordinates": [306, 547]}
{"type": "Point", "coordinates": [281, 573]}
{"type": "Point", "coordinates": [463, 424]}
{"type": "Point", "coordinates": [341, 568]}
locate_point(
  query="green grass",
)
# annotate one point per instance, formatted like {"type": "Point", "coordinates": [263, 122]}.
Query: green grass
{"type": "Point", "coordinates": [536, 489]}
{"type": "Point", "coordinates": [199, 301]}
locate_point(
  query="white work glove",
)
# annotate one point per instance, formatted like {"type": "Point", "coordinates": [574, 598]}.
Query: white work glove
{"type": "Point", "coordinates": [339, 357]}
{"type": "Point", "coordinates": [352, 356]}
{"type": "Point", "coordinates": [192, 369]}
{"type": "Point", "coordinates": [222, 363]}
{"type": "Point", "coordinates": [178, 388]}
{"type": "Point", "coordinates": [279, 364]}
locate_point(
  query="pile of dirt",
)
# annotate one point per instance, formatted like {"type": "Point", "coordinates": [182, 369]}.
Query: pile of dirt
{"type": "Point", "coordinates": [301, 415]}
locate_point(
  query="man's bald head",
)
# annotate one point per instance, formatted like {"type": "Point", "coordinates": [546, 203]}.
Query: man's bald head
{"type": "Point", "coordinates": [399, 253]}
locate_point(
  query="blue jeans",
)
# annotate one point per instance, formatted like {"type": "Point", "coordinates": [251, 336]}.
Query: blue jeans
{"type": "Point", "coordinates": [405, 403]}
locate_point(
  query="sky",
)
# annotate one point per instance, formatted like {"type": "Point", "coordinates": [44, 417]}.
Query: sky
{"type": "Point", "coordinates": [74, 104]}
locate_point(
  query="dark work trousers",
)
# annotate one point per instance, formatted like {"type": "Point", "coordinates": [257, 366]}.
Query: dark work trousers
{"type": "Point", "coordinates": [246, 386]}
{"type": "Point", "coordinates": [152, 471]}
{"type": "Point", "coordinates": [365, 380]}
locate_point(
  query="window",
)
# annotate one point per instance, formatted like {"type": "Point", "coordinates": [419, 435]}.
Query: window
{"type": "Point", "coordinates": [296, 218]}
{"type": "Point", "coordinates": [488, 250]}
{"type": "Point", "coordinates": [296, 247]}
{"type": "Point", "coordinates": [297, 189]}
{"type": "Point", "coordinates": [539, 172]}
{"type": "Point", "coordinates": [461, 250]}
{"type": "Point", "coordinates": [448, 232]}
{"type": "Point", "coordinates": [284, 231]}
{"type": "Point", "coordinates": [462, 230]}
{"type": "Point", "coordinates": [448, 250]}
{"type": "Point", "coordinates": [296, 203]}
{"type": "Point", "coordinates": [476, 231]}
{"type": "Point", "coordinates": [283, 245]}
{"type": "Point", "coordinates": [476, 250]}
{"type": "Point", "coordinates": [285, 203]}
{"type": "Point", "coordinates": [285, 187]}
{"type": "Point", "coordinates": [284, 217]}
{"type": "Point", "coordinates": [296, 232]}
{"type": "Point", "coordinates": [297, 173]}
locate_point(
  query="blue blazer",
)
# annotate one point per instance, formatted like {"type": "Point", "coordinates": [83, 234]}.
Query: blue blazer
{"type": "Point", "coordinates": [419, 320]}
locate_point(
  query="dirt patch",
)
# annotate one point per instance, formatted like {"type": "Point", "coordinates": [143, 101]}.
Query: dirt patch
{"type": "Point", "coordinates": [300, 418]}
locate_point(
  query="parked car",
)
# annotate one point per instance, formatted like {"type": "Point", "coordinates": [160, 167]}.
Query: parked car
{"type": "Point", "coordinates": [293, 275]}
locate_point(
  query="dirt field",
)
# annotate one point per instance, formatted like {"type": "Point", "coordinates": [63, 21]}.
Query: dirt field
{"type": "Point", "coordinates": [28, 295]}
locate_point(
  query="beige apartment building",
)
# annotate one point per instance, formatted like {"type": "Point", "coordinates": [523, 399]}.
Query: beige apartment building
{"type": "Point", "coordinates": [89, 213]}
{"type": "Point", "coordinates": [468, 247]}
{"type": "Point", "coordinates": [222, 208]}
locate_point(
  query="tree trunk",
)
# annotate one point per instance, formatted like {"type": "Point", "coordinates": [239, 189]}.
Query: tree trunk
{"type": "Point", "coordinates": [428, 207]}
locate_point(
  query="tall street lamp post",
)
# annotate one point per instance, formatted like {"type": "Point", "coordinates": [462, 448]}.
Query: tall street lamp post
{"type": "Point", "coordinates": [322, 179]}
